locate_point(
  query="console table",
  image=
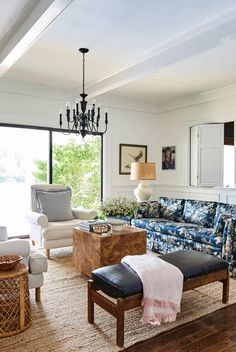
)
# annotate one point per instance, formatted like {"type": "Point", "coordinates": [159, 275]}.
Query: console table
{"type": "Point", "coordinates": [92, 250]}
{"type": "Point", "coordinates": [15, 315]}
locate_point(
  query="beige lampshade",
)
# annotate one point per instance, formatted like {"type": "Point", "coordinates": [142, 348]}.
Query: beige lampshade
{"type": "Point", "coordinates": [143, 171]}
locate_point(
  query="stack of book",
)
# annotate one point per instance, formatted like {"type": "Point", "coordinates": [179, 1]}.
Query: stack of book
{"type": "Point", "coordinates": [91, 225]}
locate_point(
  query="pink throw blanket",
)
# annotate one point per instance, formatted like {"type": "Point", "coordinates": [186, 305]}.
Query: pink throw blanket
{"type": "Point", "coordinates": [162, 288]}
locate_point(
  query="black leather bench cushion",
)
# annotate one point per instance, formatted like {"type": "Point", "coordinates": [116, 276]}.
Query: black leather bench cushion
{"type": "Point", "coordinates": [119, 280]}
{"type": "Point", "coordinates": [193, 263]}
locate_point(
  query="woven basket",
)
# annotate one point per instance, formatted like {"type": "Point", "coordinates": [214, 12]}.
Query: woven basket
{"type": "Point", "coordinates": [8, 262]}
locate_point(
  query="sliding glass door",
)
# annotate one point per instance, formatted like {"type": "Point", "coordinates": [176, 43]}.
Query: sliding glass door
{"type": "Point", "coordinates": [19, 150]}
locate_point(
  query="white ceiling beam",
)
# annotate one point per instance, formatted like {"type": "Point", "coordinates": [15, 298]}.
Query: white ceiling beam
{"type": "Point", "coordinates": [28, 30]}
{"type": "Point", "coordinates": [199, 40]}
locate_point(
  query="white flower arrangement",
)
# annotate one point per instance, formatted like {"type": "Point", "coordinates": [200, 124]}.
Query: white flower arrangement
{"type": "Point", "coordinates": [118, 207]}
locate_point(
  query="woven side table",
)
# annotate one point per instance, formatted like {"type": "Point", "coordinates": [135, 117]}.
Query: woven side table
{"type": "Point", "coordinates": [15, 315]}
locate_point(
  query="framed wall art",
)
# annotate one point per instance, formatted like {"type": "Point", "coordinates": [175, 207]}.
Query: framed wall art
{"type": "Point", "coordinates": [168, 158]}
{"type": "Point", "coordinates": [131, 153]}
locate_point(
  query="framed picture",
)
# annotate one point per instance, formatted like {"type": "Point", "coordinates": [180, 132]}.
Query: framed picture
{"type": "Point", "coordinates": [131, 153]}
{"type": "Point", "coordinates": [168, 158]}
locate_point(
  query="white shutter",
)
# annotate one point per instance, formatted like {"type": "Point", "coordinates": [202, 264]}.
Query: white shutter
{"type": "Point", "coordinates": [194, 156]}
{"type": "Point", "coordinates": [207, 161]}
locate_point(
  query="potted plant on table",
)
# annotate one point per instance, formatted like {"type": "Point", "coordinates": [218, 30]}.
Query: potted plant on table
{"type": "Point", "coordinates": [119, 208]}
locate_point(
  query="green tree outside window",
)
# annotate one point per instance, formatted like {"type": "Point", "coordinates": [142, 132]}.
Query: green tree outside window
{"type": "Point", "coordinates": [77, 166]}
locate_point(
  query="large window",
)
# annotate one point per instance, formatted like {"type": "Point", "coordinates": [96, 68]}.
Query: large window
{"type": "Point", "coordinates": [24, 160]}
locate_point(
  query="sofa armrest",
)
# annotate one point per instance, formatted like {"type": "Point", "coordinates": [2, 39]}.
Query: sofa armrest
{"type": "Point", "coordinates": [37, 219]}
{"type": "Point", "coordinates": [84, 214]}
{"type": "Point", "coordinates": [15, 246]}
{"type": "Point", "coordinates": [37, 262]}
{"type": "Point", "coordinates": [229, 243]}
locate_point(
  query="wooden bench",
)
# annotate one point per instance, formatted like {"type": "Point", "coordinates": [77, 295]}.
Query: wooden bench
{"type": "Point", "coordinates": [119, 281]}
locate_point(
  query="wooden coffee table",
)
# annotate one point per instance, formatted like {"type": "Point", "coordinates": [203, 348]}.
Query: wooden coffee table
{"type": "Point", "coordinates": [92, 251]}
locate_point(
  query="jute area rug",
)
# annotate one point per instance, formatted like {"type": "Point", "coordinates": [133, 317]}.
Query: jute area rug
{"type": "Point", "coordinates": [59, 322]}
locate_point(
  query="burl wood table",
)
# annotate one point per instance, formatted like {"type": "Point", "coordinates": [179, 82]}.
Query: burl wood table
{"type": "Point", "coordinates": [92, 251]}
{"type": "Point", "coordinates": [15, 315]}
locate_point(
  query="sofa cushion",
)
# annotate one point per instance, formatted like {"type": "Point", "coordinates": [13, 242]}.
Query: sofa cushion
{"type": "Point", "coordinates": [224, 209]}
{"type": "Point", "coordinates": [180, 229]}
{"type": "Point", "coordinates": [150, 209]}
{"type": "Point", "coordinates": [188, 231]}
{"type": "Point", "coordinates": [164, 243]}
{"type": "Point", "coordinates": [199, 212]}
{"type": "Point", "coordinates": [146, 223]}
{"type": "Point", "coordinates": [56, 205]}
{"type": "Point", "coordinates": [171, 208]}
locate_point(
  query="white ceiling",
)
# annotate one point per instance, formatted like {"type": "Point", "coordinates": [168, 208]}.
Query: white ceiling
{"type": "Point", "coordinates": [152, 51]}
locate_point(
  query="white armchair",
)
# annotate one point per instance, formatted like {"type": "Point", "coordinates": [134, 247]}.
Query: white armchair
{"type": "Point", "coordinates": [46, 228]}
{"type": "Point", "coordinates": [36, 261]}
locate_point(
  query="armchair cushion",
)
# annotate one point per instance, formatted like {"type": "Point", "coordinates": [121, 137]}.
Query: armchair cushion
{"type": "Point", "coordinates": [84, 214]}
{"type": "Point", "coordinates": [37, 262]}
{"type": "Point", "coordinates": [37, 219]}
{"type": "Point", "coordinates": [56, 205]}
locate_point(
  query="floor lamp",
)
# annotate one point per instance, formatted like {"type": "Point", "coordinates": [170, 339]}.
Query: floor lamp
{"type": "Point", "coordinates": [143, 172]}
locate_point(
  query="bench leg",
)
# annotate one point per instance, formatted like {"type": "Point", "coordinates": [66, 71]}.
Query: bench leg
{"type": "Point", "coordinates": [120, 323]}
{"type": "Point", "coordinates": [225, 295]}
{"type": "Point", "coordinates": [90, 303]}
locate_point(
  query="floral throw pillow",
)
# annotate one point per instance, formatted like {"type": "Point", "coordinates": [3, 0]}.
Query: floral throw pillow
{"type": "Point", "coordinates": [199, 212]}
{"type": "Point", "coordinates": [171, 208]}
{"type": "Point", "coordinates": [148, 210]}
{"type": "Point", "coordinates": [224, 209]}
{"type": "Point", "coordinates": [154, 209]}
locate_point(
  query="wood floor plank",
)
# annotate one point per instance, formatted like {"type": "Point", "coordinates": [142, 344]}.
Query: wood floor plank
{"type": "Point", "coordinates": [215, 332]}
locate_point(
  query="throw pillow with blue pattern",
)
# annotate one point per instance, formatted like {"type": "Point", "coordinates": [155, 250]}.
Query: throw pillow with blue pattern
{"type": "Point", "coordinates": [224, 209]}
{"type": "Point", "coordinates": [148, 209]}
{"type": "Point", "coordinates": [171, 208]}
{"type": "Point", "coordinates": [199, 212]}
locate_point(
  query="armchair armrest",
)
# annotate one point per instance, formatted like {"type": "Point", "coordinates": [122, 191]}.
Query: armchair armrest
{"type": "Point", "coordinates": [37, 262]}
{"type": "Point", "coordinates": [84, 214]}
{"type": "Point", "coordinates": [37, 219]}
{"type": "Point", "coordinates": [15, 246]}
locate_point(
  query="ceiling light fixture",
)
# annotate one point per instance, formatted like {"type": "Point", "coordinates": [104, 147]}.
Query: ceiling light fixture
{"type": "Point", "coordinates": [83, 120]}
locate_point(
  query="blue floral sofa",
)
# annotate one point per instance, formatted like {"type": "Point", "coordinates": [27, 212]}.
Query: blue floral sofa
{"type": "Point", "coordinates": [178, 224]}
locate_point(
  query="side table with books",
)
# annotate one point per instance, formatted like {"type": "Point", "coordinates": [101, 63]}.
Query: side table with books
{"type": "Point", "coordinates": [93, 250]}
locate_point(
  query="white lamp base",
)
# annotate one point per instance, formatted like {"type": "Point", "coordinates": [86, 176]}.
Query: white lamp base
{"type": "Point", "coordinates": [142, 192]}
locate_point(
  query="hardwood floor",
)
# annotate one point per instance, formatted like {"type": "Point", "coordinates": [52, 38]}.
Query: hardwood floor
{"type": "Point", "coordinates": [215, 332]}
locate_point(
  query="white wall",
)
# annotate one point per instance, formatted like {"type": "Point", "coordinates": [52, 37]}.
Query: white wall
{"type": "Point", "coordinates": [23, 103]}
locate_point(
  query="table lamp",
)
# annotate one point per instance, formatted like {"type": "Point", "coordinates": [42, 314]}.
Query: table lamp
{"type": "Point", "coordinates": [143, 171]}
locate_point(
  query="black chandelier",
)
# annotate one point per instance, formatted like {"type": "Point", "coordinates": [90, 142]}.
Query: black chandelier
{"type": "Point", "coordinates": [79, 120]}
